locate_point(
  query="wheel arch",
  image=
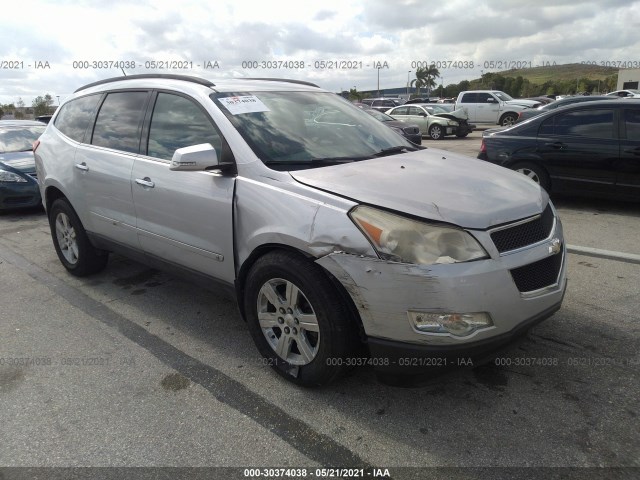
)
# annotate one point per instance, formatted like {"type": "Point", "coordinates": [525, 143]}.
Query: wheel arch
{"type": "Point", "coordinates": [271, 247]}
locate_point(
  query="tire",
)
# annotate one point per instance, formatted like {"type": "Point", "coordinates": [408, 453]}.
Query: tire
{"type": "Point", "coordinates": [436, 132]}
{"type": "Point", "coordinates": [282, 288]}
{"type": "Point", "coordinates": [508, 120]}
{"type": "Point", "coordinates": [72, 245]}
{"type": "Point", "coordinates": [534, 172]}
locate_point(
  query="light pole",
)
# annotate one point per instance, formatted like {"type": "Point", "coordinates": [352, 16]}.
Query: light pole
{"type": "Point", "coordinates": [58, 97]}
{"type": "Point", "coordinates": [378, 81]}
{"type": "Point", "coordinates": [408, 82]}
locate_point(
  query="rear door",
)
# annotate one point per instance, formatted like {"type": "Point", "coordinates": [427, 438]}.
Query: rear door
{"type": "Point", "coordinates": [628, 179]}
{"type": "Point", "coordinates": [102, 169]}
{"type": "Point", "coordinates": [580, 149]}
{"type": "Point", "coordinates": [183, 217]}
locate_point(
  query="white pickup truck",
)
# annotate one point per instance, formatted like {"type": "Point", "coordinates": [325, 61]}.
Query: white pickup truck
{"type": "Point", "coordinates": [492, 106]}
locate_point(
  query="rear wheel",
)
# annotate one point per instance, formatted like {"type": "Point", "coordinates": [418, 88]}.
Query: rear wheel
{"type": "Point", "coordinates": [534, 172]}
{"type": "Point", "coordinates": [297, 319]}
{"type": "Point", "coordinates": [72, 245]}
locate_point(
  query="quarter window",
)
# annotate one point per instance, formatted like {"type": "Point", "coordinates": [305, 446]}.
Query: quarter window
{"type": "Point", "coordinates": [119, 121]}
{"type": "Point", "coordinates": [75, 116]}
{"type": "Point", "coordinates": [177, 122]}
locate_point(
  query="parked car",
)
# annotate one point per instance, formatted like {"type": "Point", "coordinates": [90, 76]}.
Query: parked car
{"type": "Point", "coordinates": [492, 106]}
{"type": "Point", "coordinates": [588, 148]}
{"type": "Point", "coordinates": [532, 112]}
{"type": "Point", "coordinates": [336, 236]}
{"type": "Point", "coordinates": [383, 104]}
{"type": "Point", "coordinates": [629, 93]}
{"type": "Point", "coordinates": [436, 127]}
{"type": "Point", "coordinates": [18, 185]}
{"type": "Point", "coordinates": [44, 118]}
{"type": "Point", "coordinates": [410, 131]}
{"type": "Point", "coordinates": [448, 110]}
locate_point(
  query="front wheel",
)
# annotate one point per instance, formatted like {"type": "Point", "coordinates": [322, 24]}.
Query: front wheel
{"type": "Point", "coordinates": [508, 120]}
{"type": "Point", "coordinates": [436, 132]}
{"type": "Point", "coordinates": [72, 245]}
{"type": "Point", "coordinates": [297, 319]}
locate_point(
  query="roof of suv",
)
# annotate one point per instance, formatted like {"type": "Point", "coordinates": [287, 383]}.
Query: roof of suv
{"type": "Point", "coordinates": [223, 85]}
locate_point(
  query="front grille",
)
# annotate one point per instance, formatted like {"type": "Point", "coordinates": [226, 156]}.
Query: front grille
{"type": "Point", "coordinates": [528, 233]}
{"type": "Point", "coordinates": [537, 275]}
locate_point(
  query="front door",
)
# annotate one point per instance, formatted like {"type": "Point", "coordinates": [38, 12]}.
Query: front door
{"type": "Point", "coordinates": [184, 218]}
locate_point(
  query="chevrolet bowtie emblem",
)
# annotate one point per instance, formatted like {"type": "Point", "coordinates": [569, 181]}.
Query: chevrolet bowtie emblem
{"type": "Point", "coordinates": [554, 246]}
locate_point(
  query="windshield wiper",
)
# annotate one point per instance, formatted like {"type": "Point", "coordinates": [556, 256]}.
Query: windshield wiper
{"type": "Point", "coordinates": [392, 150]}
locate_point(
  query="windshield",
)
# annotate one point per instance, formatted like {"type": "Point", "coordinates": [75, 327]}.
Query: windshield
{"type": "Point", "coordinates": [18, 139]}
{"type": "Point", "coordinates": [383, 117]}
{"type": "Point", "coordinates": [298, 129]}
{"type": "Point", "coordinates": [503, 96]}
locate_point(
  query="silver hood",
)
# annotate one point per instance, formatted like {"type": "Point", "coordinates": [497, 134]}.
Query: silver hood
{"type": "Point", "coordinates": [434, 185]}
{"type": "Point", "coordinates": [523, 103]}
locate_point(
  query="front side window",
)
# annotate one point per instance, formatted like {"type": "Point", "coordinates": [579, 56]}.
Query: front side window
{"type": "Point", "coordinates": [632, 122]}
{"type": "Point", "coordinates": [484, 97]}
{"type": "Point", "coordinates": [177, 122]}
{"type": "Point", "coordinates": [76, 115]}
{"type": "Point", "coordinates": [291, 130]}
{"type": "Point", "coordinates": [119, 121]}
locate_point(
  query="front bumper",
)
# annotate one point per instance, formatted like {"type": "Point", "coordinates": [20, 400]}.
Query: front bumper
{"type": "Point", "coordinates": [19, 195]}
{"type": "Point", "coordinates": [384, 292]}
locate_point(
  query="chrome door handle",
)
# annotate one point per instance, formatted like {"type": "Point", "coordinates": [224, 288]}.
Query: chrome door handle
{"type": "Point", "coordinates": [145, 182]}
{"type": "Point", "coordinates": [82, 166]}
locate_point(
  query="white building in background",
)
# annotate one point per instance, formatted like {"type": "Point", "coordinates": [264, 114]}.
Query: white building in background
{"type": "Point", "coordinates": [628, 78]}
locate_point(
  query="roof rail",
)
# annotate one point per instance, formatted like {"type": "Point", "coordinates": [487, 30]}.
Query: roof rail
{"type": "Point", "coordinates": [169, 76]}
{"type": "Point", "coordinates": [287, 80]}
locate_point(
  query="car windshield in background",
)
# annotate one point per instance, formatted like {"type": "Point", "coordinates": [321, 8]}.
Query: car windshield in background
{"type": "Point", "coordinates": [18, 139]}
{"type": "Point", "coordinates": [295, 130]}
{"type": "Point", "coordinates": [383, 117]}
{"type": "Point", "coordinates": [503, 96]}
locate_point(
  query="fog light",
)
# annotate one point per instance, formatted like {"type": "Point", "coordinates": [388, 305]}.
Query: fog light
{"type": "Point", "coordinates": [456, 324]}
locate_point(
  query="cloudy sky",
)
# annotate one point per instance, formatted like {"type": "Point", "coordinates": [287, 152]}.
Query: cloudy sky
{"type": "Point", "coordinates": [56, 46]}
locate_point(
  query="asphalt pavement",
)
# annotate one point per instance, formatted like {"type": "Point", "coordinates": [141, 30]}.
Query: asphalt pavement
{"type": "Point", "coordinates": [133, 367]}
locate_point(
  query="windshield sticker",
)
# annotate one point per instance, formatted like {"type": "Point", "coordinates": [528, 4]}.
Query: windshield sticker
{"type": "Point", "coordinates": [244, 104]}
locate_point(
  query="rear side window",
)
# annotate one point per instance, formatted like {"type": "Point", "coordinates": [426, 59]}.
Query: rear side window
{"type": "Point", "coordinates": [585, 123]}
{"type": "Point", "coordinates": [178, 122]}
{"type": "Point", "coordinates": [415, 111]}
{"type": "Point", "coordinates": [76, 116]}
{"type": "Point", "coordinates": [469, 98]}
{"type": "Point", "coordinates": [632, 122]}
{"type": "Point", "coordinates": [119, 121]}
{"type": "Point", "coordinates": [400, 111]}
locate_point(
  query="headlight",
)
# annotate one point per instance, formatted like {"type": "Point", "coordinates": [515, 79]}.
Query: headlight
{"type": "Point", "coordinates": [452, 123]}
{"type": "Point", "coordinates": [404, 240]}
{"type": "Point", "coordinates": [11, 177]}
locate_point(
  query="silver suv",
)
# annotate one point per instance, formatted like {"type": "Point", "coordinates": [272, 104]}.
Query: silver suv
{"type": "Point", "coordinates": [343, 243]}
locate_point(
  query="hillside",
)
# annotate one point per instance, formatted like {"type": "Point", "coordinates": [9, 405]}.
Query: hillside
{"type": "Point", "coordinates": [566, 72]}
